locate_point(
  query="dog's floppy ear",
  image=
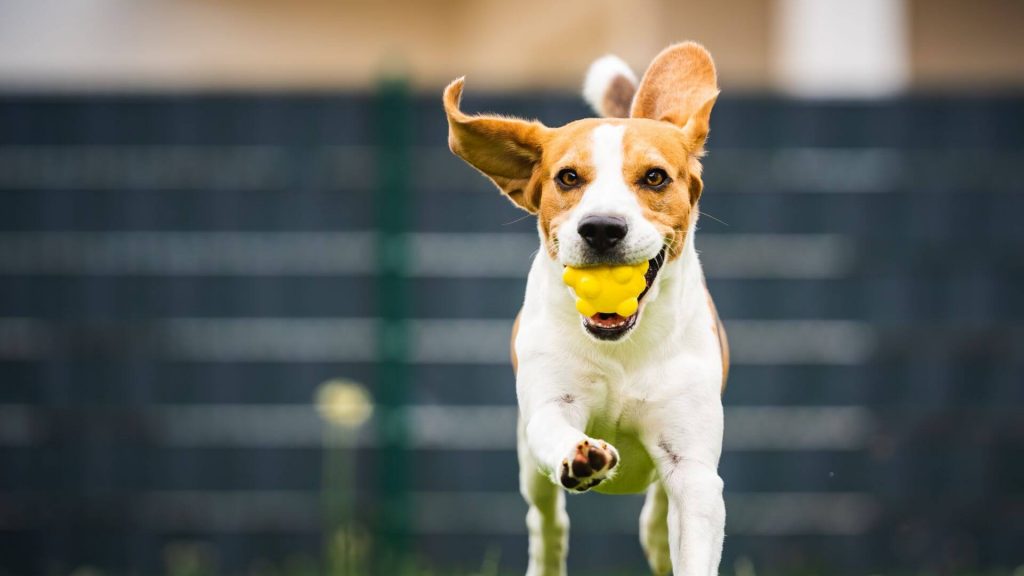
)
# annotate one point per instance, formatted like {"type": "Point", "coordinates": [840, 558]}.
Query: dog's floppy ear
{"type": "Point", "coordinates": [680, 86]}
{"type": "Point", "coordinates": [506, 150]}
{"type": "Point", "coordinates": [609, 87]}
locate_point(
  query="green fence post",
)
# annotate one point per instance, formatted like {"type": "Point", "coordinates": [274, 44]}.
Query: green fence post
{"type": "Point", "coordinates": [392, 208]}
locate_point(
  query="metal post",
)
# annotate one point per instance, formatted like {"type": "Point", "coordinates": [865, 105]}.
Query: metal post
{"type": "Point", "coordinates": [393, 120]}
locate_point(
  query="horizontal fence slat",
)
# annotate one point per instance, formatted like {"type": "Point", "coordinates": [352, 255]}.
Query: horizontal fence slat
{"type": "Point", "coordinates": [462, 341]}
{"type": "Point", "coordinates": [444, 427]}
{"type": "Point", "coordinates": [216, 512]}
{"type": "Point", "coordinates": [454, 341]}
{"type": "Point", "coordinates": [434, 255]}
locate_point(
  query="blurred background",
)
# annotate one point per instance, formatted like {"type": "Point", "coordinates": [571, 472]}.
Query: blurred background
{"type": "Point", "coordinates": [254, 316]}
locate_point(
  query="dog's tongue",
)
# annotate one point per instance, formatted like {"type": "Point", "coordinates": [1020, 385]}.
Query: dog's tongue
{"type": "Point", "coordinates": [607, 320]}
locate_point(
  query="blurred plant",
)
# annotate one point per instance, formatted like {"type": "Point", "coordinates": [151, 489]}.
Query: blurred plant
{"type": "Point", "coordinates": [348, 551]}
{"type": "Point", "coordinates": [188, 558]}
{"type": "Point", "coordinates": [744, 567]}
{"type": "Point", "coordinates": [490, 563]}
{"type": "Point", "coordinates": [344, 406]}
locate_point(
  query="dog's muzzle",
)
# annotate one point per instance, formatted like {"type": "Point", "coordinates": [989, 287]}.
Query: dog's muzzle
{"type": "Point", "coordinates": [611, 326]}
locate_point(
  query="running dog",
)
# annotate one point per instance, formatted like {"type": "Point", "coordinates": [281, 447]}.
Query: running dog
{"type": "Point", "coordinates": [610, 403]}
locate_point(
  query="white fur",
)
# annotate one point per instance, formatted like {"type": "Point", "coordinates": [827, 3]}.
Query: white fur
{"type": "Point", "coordinates": [600, 76]}
{"type": "Point", "coordinates": [653, 395]}
{"type": "Point", "coordinates": [654, 529]}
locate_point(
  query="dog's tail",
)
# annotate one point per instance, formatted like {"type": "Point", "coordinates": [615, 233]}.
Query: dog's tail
{"type": "Point", "coordinates": [609, 87]}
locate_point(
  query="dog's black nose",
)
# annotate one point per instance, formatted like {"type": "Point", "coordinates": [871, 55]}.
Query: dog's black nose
{"type": "Point", "coordinates": [602, 232]}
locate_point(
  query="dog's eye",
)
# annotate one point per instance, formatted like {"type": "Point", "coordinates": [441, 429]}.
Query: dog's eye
{"type": "Point", "coordinates": [655, 178]}
{"type": "Point", "coordinates": [568, 178]}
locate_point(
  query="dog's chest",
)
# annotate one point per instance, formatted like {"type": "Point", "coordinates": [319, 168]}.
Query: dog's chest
{"type": "Point", "coordinates": [619, 403]}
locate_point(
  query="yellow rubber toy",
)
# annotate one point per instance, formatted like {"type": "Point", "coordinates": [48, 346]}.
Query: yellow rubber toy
{"type": "Point", "coordinates": [607, 289]}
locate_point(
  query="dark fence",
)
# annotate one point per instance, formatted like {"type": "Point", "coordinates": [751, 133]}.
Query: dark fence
{"type": "Point", "coordinates": [181, 274]}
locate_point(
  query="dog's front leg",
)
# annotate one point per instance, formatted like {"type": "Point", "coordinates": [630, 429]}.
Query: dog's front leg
{"type": "Point", "coordinates": [554, 435]}
{"type": "Point", "coordinates": [541, 433]}
{"type": "Point", "coordinates": [687, 459]}
{"type": "Point", "coordinates": [696, 518]}
{"type": "Point", "coordinates": [547, 522]}
{"type": "Point", "coordinates": [554, 451]}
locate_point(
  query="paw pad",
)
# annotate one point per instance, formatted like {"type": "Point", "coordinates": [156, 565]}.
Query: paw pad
{"type": "Point", "coordinates": [590, 464]}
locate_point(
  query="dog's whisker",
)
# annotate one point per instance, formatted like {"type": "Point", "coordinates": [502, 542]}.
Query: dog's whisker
{"type": "Point", "coordinates": [703, 213]}
{"type": "Point", "coordinates": [671, 243]}
{"type": "Point", "coordinates": [520, 219]}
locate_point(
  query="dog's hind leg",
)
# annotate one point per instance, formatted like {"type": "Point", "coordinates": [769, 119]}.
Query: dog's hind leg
{"type": "Point", "coordinates": [546, 520]}
{"type": "Point", "coordinates": [654, 529]}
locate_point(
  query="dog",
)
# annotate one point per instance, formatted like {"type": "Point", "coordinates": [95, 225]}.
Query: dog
{"type": "Point", "coordinates": [606, 403]}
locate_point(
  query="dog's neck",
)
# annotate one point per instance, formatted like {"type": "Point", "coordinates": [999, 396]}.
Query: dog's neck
{"type": "Point", "coordinates": [668, 314]}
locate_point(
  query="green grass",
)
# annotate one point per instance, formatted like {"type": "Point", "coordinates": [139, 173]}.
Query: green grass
{"type": "Point", "coordinates": [349, 555]}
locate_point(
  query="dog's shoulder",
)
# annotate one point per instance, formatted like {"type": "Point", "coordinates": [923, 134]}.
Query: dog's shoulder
{"type": "Point", "coordinates": [723, 341]}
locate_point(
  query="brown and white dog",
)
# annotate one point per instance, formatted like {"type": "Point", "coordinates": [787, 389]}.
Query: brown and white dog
{"type": "Point", "coordinates": [613, 404]}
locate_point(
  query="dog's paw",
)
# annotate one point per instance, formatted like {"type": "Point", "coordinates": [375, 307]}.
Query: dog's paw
{"type": "Point", "coordinates": [590, 463]}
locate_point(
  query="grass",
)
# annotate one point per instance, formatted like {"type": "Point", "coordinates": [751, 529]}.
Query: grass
{"type": "Point", "coordinates": [349, 555]}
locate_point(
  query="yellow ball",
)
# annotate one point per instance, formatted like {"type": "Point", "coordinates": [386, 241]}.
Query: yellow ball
{"type": "Point", "coordinates": [607, 289]}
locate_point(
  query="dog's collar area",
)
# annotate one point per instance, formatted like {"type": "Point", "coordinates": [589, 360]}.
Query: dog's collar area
{"type": "Point", "coordinates": [613, 326]}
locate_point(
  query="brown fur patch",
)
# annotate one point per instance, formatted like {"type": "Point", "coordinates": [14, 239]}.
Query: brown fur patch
{"type": "Point", "coordinates": [618, 97]}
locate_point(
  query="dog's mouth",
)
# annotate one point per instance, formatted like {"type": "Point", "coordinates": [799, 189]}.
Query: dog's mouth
{"type": "Point", "coordinates": [613, 326]}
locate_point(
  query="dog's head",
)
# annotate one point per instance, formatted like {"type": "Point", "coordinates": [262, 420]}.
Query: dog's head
{"type": "Point", "coordinates": [616, 190]}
